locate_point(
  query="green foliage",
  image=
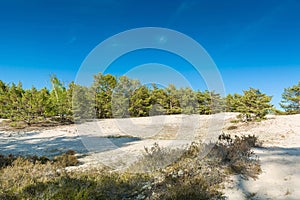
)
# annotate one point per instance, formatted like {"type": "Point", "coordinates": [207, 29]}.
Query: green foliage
{"type": "Point", "coordinates": [209, 102]}
{"type": "Point", "coordinates": [121, 96]}
{"type": "Point", "coordinates": [32, 105]}
{"type": "Point", "coordinates": [103, 87]}
{"type": "Point", "coordinates": [173, 100]}
{"type": "Point", "coordinates": [253, 105]}
{"type": "Point", "coordinates": [4, 100]}
{"type": "Point", "coordinates": [59, 98]}
{"type": "Point", "coordinates": [14, 104]}
{"type": "Point", "coordinates": [83, 108]}
{"type": "Point", "coordinates": [159, 101]}
{"type": "Point", "coordinates": [232, 102]}
{"type": "Point", "coordinates": [291, 99]}
{"type": "Point", "coordinates": [188, 101]}
{"type": "Point", "coordinates": [140, 102]}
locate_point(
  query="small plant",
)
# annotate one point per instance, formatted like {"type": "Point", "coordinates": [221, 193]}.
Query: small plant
{"type": "Point", "coordinates": [235, 121]}
{"type": "Point", "coordinates": [232, 127]}
{"type": "Point", "coordinates": [237, 154]}
{"type": "Point", "coordinates": [156, 158]}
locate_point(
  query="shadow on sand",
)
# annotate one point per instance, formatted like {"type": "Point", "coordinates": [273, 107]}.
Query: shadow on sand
{"type": "Point", "coordinates": [52, 146]}
{"type": "Point", "coordinates": [282, 166]}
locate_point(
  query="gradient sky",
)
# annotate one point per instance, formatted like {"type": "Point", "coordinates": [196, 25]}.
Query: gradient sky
{"type": "Point", "coordinates": [254, 43]}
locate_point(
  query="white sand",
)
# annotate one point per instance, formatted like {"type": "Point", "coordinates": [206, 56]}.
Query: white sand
{"type": "Point", "coordinates": [280, 158]}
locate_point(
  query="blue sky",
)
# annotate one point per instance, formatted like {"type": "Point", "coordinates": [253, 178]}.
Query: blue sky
{"type": "Point", "coordinates": [254, 43]}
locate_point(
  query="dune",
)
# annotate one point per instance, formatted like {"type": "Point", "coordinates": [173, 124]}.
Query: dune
{"type": "Point", "coordinates": [123, 141]}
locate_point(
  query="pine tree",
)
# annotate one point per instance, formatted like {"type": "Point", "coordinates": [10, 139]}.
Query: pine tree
{"type": "Point", "coordinates": [59, 100]}
{"type": "Point", "coordinates": [204, 102]}
{"type": "Point", "coordinates": [291, 99]}
{"type": "Point", "coordinates": [232, 102]}
{"type": "Point", "coordinates": [254, 105]}
{"type": "Point", "coordinates": [188, 100]}
{"type": "Point", "coordinates": [217, 103]}
{"type": "Point", "coordinates": [83, 103]}
{"type": "Point", "coordinates": [43, 104]}
{"type": "Point", "coordinates": [140, 102]}
{"type": "Point", "coordinates": [14, 107]}
{"type": "Point", "coordinates": [103, 87]}
{"type": "Point", "coordinates": [159, 101]}
{"type": "Point", "coordinates": [4, 100]}
{"type": "Point", "coordinates": [121, 96]}
{"type": "Point", "coordinates": [29, 109]}
{"type": "Point", "coordinates": [173, 100]}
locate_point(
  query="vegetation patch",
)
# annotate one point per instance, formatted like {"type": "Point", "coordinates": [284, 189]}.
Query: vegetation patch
{"type": "Point", "coordinates": [187, 177]}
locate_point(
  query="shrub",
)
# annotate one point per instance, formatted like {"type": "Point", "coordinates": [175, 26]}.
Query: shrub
{"type": "Point", "coordinates": [67, 159]}
{"type": "Point", "coordinates": [237, 154]}
{"type": "Point", "coordinates": [6, 160]}
{"type": "Point", "coordinates": [155, 158]}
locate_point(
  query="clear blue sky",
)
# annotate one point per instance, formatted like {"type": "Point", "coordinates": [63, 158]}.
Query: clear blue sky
{"type": "Point", "coordinates": [254, 43]}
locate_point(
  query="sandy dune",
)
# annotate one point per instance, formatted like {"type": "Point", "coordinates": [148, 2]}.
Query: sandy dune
{"type": "Point", "coordinates": [280, 155]}
{"type": "Point", "coordinates": [280, 160]}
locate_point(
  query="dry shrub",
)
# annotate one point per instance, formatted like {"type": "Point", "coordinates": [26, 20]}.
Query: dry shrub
{"type": "Point", "coordinates": [237, 154]}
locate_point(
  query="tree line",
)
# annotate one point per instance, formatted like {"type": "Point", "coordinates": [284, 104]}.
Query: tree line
{"type": "Point", "coordinates": [118, 97]}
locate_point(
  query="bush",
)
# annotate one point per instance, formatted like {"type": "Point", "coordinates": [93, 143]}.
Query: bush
{"type": "Point", "coordinates": [67, 159]}
{"type": "Point", "coordinates": [6, 160]}
{"type": "Point", "coordinates": [155, 158]}
{"type": "Point", "coordinates": [237, 154]}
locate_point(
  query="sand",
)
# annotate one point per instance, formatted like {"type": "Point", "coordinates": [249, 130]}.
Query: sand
{"type": "Point", "coordinates": [280, 160]}
{"type": "Point", "coordinates": [280, 155]}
